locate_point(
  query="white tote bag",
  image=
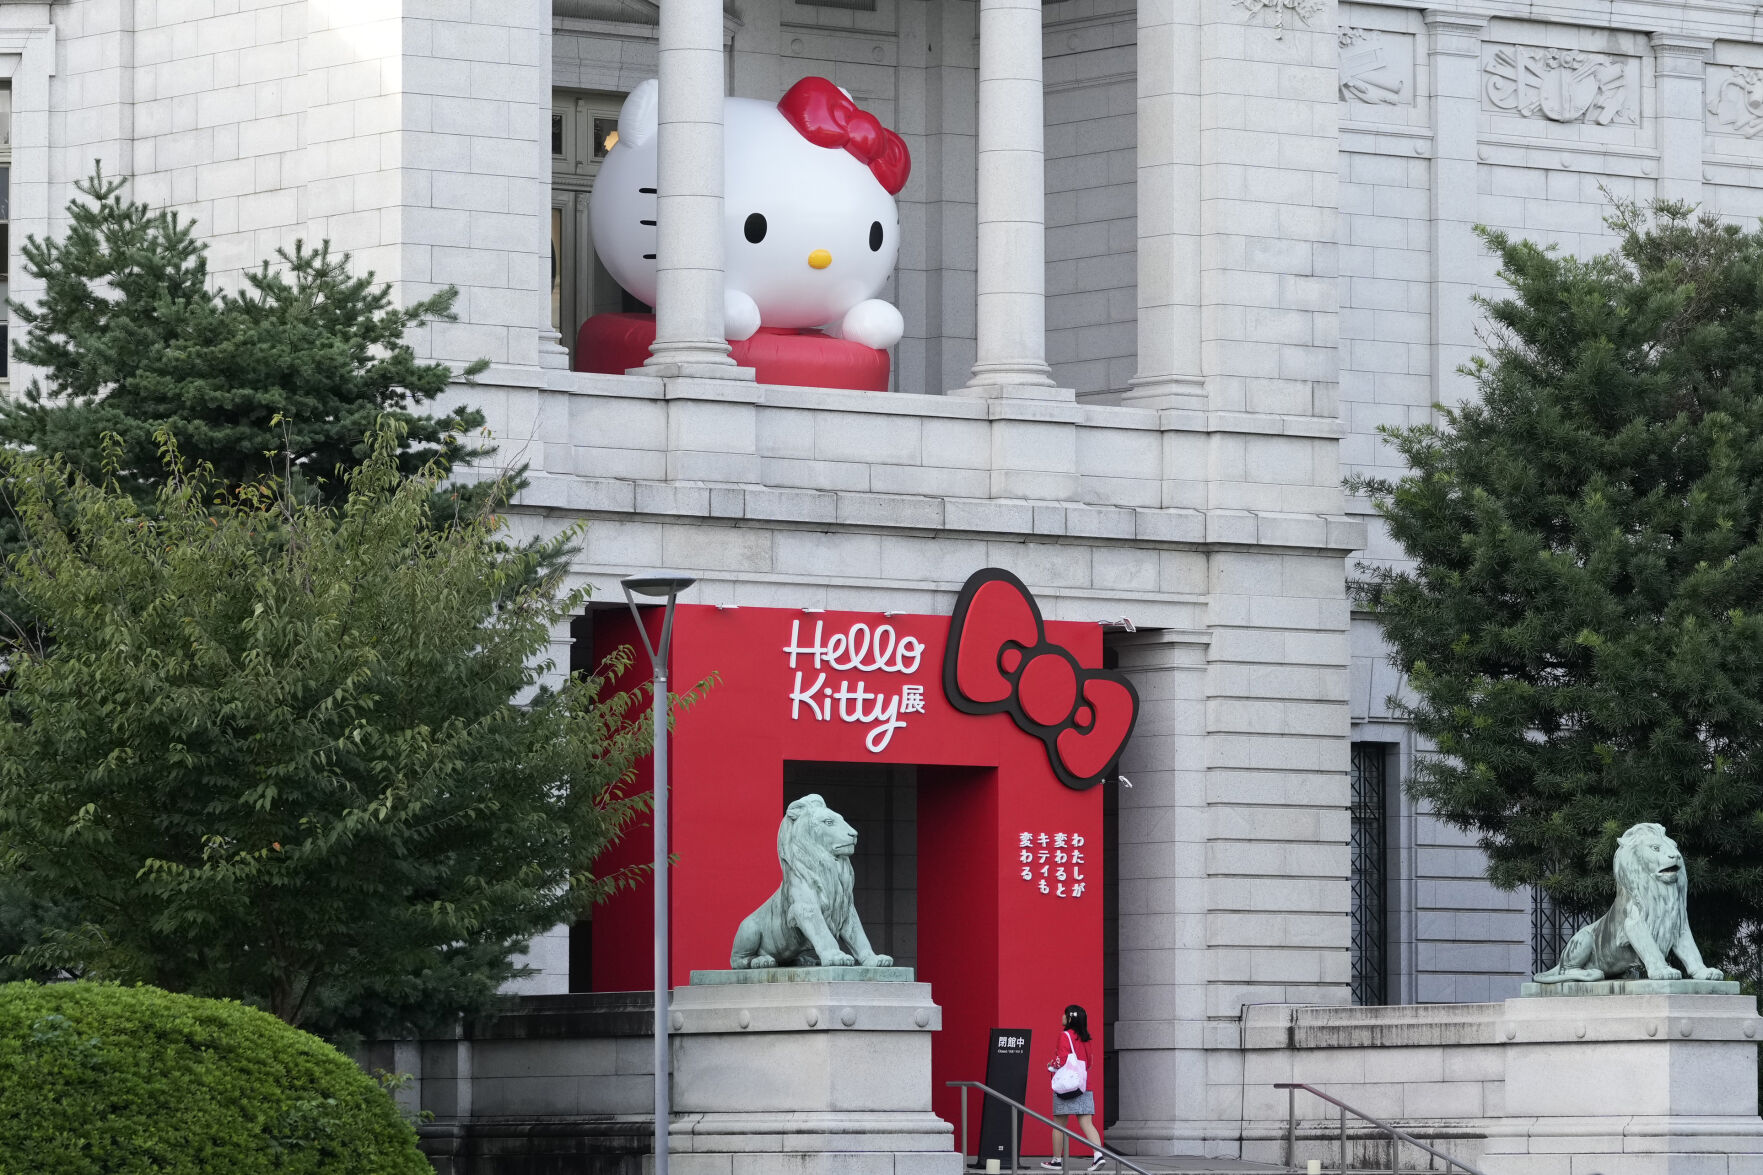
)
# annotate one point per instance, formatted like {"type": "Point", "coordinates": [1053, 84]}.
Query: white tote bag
{"type": "Point", "coordinates": [1070, 1077]}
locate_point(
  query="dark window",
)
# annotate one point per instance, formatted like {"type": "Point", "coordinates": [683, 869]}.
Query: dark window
{"type": "Point", "coordinates": [1370, 874]}
{"type": "Point", "coordinates": [881, 802]}
{"type": "Point", "coordinates": [581, 954]}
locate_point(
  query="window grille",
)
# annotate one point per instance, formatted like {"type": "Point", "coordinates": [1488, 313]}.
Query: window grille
{"type": "Point", "coordinates": [1551, 926]}
{"type": "Point", "coordinates": [1370, 880]}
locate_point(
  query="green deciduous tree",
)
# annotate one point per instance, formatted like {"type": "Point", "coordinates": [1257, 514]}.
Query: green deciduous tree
{"type": "Point", "coordinates": [274, 752]}
{"type": "Point", "coordinates": [1581, 624]}
{"type": "Point", "coordinates": [24, 919]}
{"type": "Point", "coordinates": [132, 336]}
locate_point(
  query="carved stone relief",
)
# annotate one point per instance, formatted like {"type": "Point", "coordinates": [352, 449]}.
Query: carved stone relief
{"type": "Point", "coordinates": [1277, 12]}
{"type": "Point", "coordinates": [1561, 85]}
{"type": "Point", "coordinates": [1735, 101]}
{"type": "Point", "coordinates": [1377, 67]}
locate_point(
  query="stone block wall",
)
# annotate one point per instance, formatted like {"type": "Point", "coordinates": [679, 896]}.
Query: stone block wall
{"type": "Point", "coordinates": [1444, 126]}
{"type": "Point", "coordinates": [409, 133]}
{"type": "Point", "coordinates": [1436, 1071]}
{"type": "Point", "coordinates": [474, 166]}
{"type": "Point", "coordinates": [558, 1082]}
{"type": "Point", "coordinates": [1622, 1084]}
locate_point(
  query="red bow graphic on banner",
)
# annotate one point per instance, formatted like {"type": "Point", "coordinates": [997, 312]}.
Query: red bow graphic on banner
{"type": "Point", "coordinates": [826, 117]}
{"type": "Point", "coordinates": [1000, 661]}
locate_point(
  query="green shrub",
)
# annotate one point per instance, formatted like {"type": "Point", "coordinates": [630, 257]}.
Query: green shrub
{"type": "Point", "coordinates": [103, 1080]}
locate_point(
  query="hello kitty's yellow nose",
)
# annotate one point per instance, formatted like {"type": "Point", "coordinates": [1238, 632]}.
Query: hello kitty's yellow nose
{"type": "Point", "coordinates": [820, 259]}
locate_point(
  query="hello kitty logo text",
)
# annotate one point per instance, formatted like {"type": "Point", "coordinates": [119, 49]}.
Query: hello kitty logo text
{"type": "Point", "coordinates": [858, 650]}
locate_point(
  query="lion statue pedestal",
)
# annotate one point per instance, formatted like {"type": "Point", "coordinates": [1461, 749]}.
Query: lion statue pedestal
{"type": "Point", "coordinates": [1633, 1064]}
{"type": "Point", "coordinates": [801, 1071]}
{"type": "Point", "coordinates": [1626, 1084]}
{"type": "Point", "coordinates": [811, 1054]}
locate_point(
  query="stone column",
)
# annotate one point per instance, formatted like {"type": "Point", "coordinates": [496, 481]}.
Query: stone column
{"type": "Point", "coordinates": [1239, 171]}
{"type": "Point", "coordinates": [1012, 326]}
{"type": "Point", "coordinates": [1161, 853]}
{"type": "Point", "coordinates": [689, 335]}
{"type": "Point", "coordinates": [1680, 64]}
{"type": "Point", "coordinates": [553, 355]}
{"type": "Point", "coordinates": [1454, 48]}
{"type": "Point", "coordinates": [1169, 372]}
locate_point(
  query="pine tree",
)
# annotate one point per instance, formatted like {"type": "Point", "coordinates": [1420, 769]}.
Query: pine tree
{"type": "Point", "coordinates": [274, 751]}
{"type": "Point", "coordinates": [132, 337]}
{"type": "Point", "coordinates": [1581, 626]}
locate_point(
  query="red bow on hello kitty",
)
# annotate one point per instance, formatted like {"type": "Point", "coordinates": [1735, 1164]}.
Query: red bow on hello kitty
{"type": "Point", "coordinates": [999, 661]}
{"type": "Point", "coordinates": [825, 116]}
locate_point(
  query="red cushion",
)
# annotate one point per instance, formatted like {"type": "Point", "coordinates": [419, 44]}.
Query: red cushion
{"type": "Point", "coordinates": [613, 343]}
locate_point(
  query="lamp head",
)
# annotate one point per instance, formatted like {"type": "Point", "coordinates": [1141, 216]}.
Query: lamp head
{"type": "Point", "coordinates": [661, 584]}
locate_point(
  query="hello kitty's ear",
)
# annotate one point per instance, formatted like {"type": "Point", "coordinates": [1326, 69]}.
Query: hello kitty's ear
{"type": "Point", "coordinates": [637, 118]}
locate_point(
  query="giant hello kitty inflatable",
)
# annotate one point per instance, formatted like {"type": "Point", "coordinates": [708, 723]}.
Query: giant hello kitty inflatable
{"type": "Point", "coordinates": [810, 229]}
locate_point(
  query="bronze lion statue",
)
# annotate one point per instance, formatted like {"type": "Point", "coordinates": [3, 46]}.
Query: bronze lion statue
{"type": "Point", "coordinates": [810, 921]}
{"type": "Point", "coordinates": [1648, 921]}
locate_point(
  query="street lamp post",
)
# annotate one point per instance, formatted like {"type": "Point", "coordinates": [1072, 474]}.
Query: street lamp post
{"type": "Point", "coordinates": [659, 585]}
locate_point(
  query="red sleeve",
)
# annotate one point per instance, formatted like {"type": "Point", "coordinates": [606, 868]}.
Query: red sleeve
{"type": "Point", "coordinates": [1064, 1048]}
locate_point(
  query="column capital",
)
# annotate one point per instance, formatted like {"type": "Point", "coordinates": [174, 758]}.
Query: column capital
{"type": "Point", "coordinates": [1455, 34]}
{"type": "Point", "coordinates": [1681, 56]}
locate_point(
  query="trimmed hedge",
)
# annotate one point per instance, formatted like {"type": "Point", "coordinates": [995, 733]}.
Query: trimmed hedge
{"type": "Point", "coordinates": [104, 1080]}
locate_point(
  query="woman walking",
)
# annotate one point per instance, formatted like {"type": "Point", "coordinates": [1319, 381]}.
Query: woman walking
{"type": "Point", "coordinates": [1073, 1064]}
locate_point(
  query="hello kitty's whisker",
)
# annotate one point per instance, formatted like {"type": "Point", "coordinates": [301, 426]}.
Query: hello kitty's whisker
{"type": "Point", "coordinates": [648, 257]}
{"type": "Point", "coordinates": [647, 191]}
{"type": "Point", "coordinates": [647, 222]}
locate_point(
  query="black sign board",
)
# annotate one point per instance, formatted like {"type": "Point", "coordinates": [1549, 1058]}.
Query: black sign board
{"type": "Point", "coordinates": [1006, 1072]}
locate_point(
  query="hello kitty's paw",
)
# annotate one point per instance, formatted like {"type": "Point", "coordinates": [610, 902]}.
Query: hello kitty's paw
{"type": "Point", "coordinates": [873, 323]}
{"type": "Point", "coordinates": [740, 316]}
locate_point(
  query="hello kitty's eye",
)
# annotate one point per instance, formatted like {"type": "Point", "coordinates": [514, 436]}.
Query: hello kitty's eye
{"type": "Point", "coordinates": [755, 228]}
{"type": "Point", "coordinates": [875, 236]}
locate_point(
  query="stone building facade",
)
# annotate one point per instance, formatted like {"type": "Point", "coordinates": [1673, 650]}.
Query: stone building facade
{"type": "Point", "coordinates": [1166, 268]}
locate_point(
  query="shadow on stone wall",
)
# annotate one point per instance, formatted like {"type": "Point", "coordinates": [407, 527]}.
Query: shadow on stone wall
{"type": "Point", "coordinates": [558, 1085]}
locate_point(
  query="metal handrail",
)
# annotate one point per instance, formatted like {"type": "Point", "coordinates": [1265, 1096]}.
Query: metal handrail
{"type": "Point", "coordinates": [1292, 1088]}
{"type": "Point", "coordinates": [1017, 1109]}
